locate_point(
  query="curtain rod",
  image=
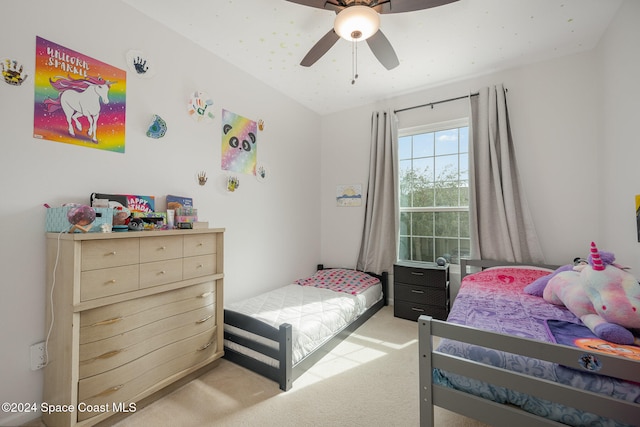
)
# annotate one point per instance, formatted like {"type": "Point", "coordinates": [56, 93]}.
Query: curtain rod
{"type": "Point", "coordinates": [431, 104]}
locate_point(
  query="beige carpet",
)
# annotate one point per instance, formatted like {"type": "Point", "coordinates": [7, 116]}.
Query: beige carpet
{"type": "Point", "coordinates": [370, 379]}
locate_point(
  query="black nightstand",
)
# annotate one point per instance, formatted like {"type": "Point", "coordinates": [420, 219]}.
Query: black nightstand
{"type": "Point", "coordinates": [420, 288]}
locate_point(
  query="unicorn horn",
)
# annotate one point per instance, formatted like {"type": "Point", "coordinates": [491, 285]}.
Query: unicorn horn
{"type": "Point", "coordinates": [595, 257]}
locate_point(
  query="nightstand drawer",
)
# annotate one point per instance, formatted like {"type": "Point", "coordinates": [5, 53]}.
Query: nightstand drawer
{"type": "Point", "coordinates": [412, 311]}
{"type": "Point", "coordinates": [421, 294]}
{"type": "Point", "coordinates": [420, 275]}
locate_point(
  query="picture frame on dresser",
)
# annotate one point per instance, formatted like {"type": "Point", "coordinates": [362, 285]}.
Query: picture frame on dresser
{"type": "Point", "coordinates": [130, 315]}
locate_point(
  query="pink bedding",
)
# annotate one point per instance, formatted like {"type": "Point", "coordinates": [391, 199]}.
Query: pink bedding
{"type": "Point", "coordinates": [348, 281]}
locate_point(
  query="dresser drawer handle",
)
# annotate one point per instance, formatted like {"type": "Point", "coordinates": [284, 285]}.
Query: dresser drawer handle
{"type": "Point", "coordinates": [417, 273]}
{"type": "Point", "coordinates": [417, 309]}
{"type": "Point", "coordinates": [109, 354]}
{"type": "Point", "coordinates": [204, 319]}
{"type": "Point", "coordinates": [112, 253]}
{"type": "Point", "coordinates": [108, 321]}
{"type": "Point", "coordinates": [103, 356]}
{"type": "Point", "coordinates": [200, 244]}
{"type": "Point", "coordinates": [206, 294]}
{"type": "Point", "coordinates": [162, 248]}
{"type": "Point", "coordinates": [162, 272]}
{"type": "Point", "coordinates": [206, 346]}
{"type": "Point", "coordinates": [416, 291]}
{"type": "Point", "coordinates": [109, 391]}
{"type": "Point", "coordinates": [200, 266]}
{"type": "Point", "coordinates": [110, 282]}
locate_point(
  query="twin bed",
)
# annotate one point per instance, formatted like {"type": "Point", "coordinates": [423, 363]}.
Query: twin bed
{"type": "Point", "coordinates": [502, 357]}
{"type": "Point", "coordinates": [507, 358]}
{"type": "Point", "coordinates": [282, 333]}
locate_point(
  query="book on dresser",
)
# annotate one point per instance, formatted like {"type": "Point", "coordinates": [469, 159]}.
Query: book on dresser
{"type": "Point", "coordinates": [420, 288]}
{"type": "Point", "coordinates": [133, 313]}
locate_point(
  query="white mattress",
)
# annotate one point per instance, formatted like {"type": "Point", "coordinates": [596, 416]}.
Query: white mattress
{"type": "Point", "coordinates": [315, 314]}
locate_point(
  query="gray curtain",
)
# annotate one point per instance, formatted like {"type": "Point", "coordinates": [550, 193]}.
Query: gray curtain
{"type": "Point", "coordinates": [378, 245]}
{"type": "Point", "coordinates": [500, 222]}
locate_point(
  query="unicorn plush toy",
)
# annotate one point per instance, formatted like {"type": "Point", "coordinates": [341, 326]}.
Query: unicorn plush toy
{"type": "Point", "coordinates": [606, 298]}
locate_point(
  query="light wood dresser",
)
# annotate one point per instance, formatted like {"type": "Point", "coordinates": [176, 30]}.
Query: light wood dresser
{"type": "Point", "coordinates": [132, 313]}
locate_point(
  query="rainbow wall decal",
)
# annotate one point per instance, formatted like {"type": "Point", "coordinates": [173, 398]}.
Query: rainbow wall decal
{"type": "Point", "coordinates": [78, 100]}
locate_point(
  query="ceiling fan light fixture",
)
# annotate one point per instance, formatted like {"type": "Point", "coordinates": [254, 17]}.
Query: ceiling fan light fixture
{"type": "Point", "coordinates": [355, 23]}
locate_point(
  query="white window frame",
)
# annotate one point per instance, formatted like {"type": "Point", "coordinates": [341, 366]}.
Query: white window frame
{"type": "Point", "coordinates": [428, 128]}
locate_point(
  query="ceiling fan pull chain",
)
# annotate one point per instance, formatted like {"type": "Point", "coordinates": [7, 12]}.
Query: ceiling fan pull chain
{"type": "Point", "coordinates": [354, 61]}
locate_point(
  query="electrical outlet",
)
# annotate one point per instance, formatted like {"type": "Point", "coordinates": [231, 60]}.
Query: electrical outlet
{"type": "Point", "coordinates": [37, 356]}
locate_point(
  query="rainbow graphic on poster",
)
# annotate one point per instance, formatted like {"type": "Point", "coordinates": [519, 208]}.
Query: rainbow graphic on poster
{"type": "Point", "coordinates": [239, 143]}
{"type": "Point", "coordinates": [78, 100]}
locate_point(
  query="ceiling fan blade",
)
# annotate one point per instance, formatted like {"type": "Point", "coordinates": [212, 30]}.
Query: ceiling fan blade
{"type": "Point", "coordinates": [320, 48]}
{"type": "Point", "coordinates": [398, 6]}
{"type": "Point", "coordinates": [383, 50]}
{"type": "Point", "coordinates": [320, 4]}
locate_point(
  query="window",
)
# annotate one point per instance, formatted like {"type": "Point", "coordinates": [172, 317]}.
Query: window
{"type": "Point", "coordinates": [434, 192]}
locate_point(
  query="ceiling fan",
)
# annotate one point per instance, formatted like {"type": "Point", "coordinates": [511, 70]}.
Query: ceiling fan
{"type": "Point", "coordinates": [359, 20]}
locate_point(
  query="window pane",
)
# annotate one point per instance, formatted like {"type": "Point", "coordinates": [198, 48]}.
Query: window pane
{"type": "Point", "coordinates": [424, 167]}
{"type": "Point", "coordinates": [406, 182]}
{"type": "Point", "coordinates": [447, 248]}
{"type": "Point", "coordinates": [404, 147]}
{"type": "Point", "coordinates": [422, 223]}
{"type": "Point", "coordinates": [403, 248]}
{"type": "Point", "coordinates": [464, 226]}
{"type": "Point", "coordinates": [464, 193]}
{"type": "Point", "coordinates": [447, 194]}
{"type": "Point", "coordinates": [447, 142]}
{"type": "Point", "coordinates": [405, 224]}
{"type": "Point", "coordinates": [423, 145]}
{"type": "Point", "coordinates": [422, 249]}
{"type": "Point", "coordinates": [446, 224]}
{"type": "Point", "coordinates": [446, 168]}
{"type": "Point", "coordinates": [464, 166]}
{"type": "Point", "coordinates": [422, 184]}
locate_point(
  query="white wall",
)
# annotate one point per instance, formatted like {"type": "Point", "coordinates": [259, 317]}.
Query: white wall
{"type": "Point", "coordinates": [620, 150]}
{"type": "Point", "coordinates": [568, 145]}
{"type": "Point", "coordinates": [272, 227]}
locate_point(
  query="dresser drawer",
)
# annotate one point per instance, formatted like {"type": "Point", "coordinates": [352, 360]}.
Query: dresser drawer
{"type": "Point", "coordinates": [160, 248]}
{"type": "Point", "coordinates": [108, 281]}
{"type": "Point", "coordinates": [160, 272]}
{"type": "Point", "coordinates": [420, 276]}
{"type": "Point", "coordinates": [198, 266]}
{"type": "Point", "coordinates": [199, 244]}
{"type": "Point", "coordinates": [115, 319]}
{"type": "Point", "coordinates": [97, 254]}
{"type": "Point", "coordinates": [412, 311]}
{"type": "Point", "coordinates": [127, 381]}
{"type": "Point", "coordinates": [100, 356]}
{"type": "Point", "coordinates": [421, 294]}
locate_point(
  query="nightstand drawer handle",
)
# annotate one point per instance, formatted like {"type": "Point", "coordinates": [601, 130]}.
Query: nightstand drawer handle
{"type": "Point", "coordinates": [416, 291]}
{"type": "Point", "coordinates": [417, 273]}
{"type": "Point", "coordinates": [417, 309]}
{"type": "Point", "coordinates": [206, 294]}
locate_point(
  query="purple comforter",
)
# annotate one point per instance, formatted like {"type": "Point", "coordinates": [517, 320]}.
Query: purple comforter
{"type": "Point", "coordinates": [494, 300]}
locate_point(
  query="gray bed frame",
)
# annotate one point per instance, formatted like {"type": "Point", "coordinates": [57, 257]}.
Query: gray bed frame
{"type": "Point", "coordinates": [497, 414]}
{"type": "Point", "coordinates": [286, 373]}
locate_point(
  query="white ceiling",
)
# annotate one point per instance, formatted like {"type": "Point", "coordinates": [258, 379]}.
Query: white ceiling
{"type": "Point", "coordinates": [268, 39]}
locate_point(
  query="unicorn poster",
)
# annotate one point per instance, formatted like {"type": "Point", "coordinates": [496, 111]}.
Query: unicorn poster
{"type": "Point", "coordinates": [239, 143]}
{"type": "Point", "coordinates": [78, 100]}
